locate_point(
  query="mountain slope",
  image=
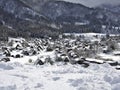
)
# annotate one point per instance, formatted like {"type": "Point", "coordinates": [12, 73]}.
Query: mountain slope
{"type": "Point", "coordinates": [19, 9]}
{"type": "Point", "coordinates": [56, 16]}
{"type": "Point", "coordinates": [79, 18]}
{"type": "Point", "coordinates": [58, 9]}
{"type": "Point", "coordinates": [22, 19]}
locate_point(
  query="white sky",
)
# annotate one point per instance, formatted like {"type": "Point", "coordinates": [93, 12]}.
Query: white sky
{"type": "Point", "coordinates": [94, 2]}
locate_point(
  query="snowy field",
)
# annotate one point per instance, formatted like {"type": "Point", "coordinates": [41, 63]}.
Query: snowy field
{"type": "Point", "coordinates": [15, 76]}
{"type": "Point", "coordinates": [19, 70]}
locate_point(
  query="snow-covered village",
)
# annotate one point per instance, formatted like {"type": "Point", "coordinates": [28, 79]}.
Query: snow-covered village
{"type": "Point", "coordinates": [71, 62]}
{"type": "Point", "coordinates": [59, 44]}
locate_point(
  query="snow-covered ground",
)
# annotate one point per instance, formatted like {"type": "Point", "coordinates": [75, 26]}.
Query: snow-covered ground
{"type": "Point", "coordinates": [21, 73]}
{"type": "Point", "coordinates": [16, 76]}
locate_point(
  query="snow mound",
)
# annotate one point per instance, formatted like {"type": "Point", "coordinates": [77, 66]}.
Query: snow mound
{"type": "Point", "coordinates": [55, 77]}
{"type": "Point", "coordinates": [4, 66]}
{"type": "Point", "coordinates": [116, 87]}
{"type": "Point", "coordinates": [8, 87]}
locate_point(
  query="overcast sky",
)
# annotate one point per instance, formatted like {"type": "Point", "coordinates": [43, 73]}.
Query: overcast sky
{"type": "Point", "coordinates": [94, 2]}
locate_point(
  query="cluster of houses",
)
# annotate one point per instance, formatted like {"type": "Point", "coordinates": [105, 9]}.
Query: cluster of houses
{"type": "Point", "coordinates": [73, 49]}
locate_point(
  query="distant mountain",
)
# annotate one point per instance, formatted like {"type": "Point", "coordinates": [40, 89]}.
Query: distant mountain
{"type": "Point", "coordinates": [36, 4]}
{"type": "Point", "coordinates": [41, 18]}
{"type": "Point", "coordinates": [20, 10]}
{"type": "Point", "coordinates": [112, 15]}
{"type": "Point", "coordinates": [111, 8]}
{"type": "Point", "coordinates": [79, 18]}
{"type": "Point", "coordinates": [21, 18]}
{"type": "Point", "coordinates": [56, 10]}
